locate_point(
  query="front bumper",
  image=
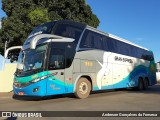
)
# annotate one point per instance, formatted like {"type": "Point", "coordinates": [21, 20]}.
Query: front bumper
{"type": "Point", "coordinates": [35, 89]}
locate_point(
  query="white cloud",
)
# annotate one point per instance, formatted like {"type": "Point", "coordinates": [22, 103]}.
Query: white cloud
{"type": "Point", "coordinates": [139, 39]}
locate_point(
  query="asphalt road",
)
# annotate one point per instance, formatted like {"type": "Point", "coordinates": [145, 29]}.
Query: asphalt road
{"type": "Point", "coordinates": [115, 100]}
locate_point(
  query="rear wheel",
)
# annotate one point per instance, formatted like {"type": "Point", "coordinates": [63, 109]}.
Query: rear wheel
{"type": "Point", "coordinates": [146, 83]}
{"type": "Point", "coordinates": [140, 84]}
{"type": "Point", "coordinates": [83, 88]}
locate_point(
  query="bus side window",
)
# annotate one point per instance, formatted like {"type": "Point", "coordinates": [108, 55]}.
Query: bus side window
{"type": "Point", "coordinates": [104, 43]}
{"type": "Point", "coordinates": [111, 45]}
{"type": "Point", "coordinates": [56, 59]}
{"type": "Point", "coordinates": [86, 40]}
{"type": "Point", "coordinates": [98, 41]}
{"type": "Point", "coordinates": [91, 39]}
{"type": "Point", "coordinates": [147, 55]}
{"type": "Point", "coordinates": [140, 53]}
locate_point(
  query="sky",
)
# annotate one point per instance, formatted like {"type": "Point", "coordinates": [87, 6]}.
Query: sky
{"type": "Point", "coordinates": [135, 20]}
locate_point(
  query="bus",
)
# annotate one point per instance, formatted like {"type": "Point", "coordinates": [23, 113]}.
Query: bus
{"type": "Point", "coordinates": [64, 56]}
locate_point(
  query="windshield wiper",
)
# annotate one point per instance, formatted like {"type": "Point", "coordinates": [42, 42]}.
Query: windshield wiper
{"type": "Point", "coordinates": [34, 70]}
{"type": "Point", "coordinates": [28, 70]}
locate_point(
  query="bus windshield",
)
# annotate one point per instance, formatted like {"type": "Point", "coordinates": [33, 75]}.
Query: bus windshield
{"type": "Point", "coordinates": [68, 30]}
{"type": "Point", "coordinates": [60, 29]}
{"type": "Point", "coordinates": [31, 59]}
{"type": "Point", "coordinates": [43, 29]}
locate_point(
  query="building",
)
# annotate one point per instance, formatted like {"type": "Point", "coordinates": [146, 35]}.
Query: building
{"type": "Point", "coordinates": [158, 66]}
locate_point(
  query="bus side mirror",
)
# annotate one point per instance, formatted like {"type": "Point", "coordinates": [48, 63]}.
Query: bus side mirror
{"type": "Point", "coordinates": [13, 58]}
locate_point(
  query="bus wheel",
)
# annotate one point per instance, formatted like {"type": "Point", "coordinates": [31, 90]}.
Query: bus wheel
{"type": "Point", "coordinates": [83, 88]}
{"type": "Point", "coordinates": [146, 83]}
{"type": "Point", "coordinates": [140, 84]}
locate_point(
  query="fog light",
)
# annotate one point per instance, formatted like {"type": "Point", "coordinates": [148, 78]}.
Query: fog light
{"type": "Point", "coordinates": [35, 89]}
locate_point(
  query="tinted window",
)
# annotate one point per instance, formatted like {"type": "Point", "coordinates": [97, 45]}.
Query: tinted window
{"type": "Point", "coordinates": [140, 53]}
{"type": "Point", "coordinates": [104, 43]}
{"type": "Point", "coordinates": [128, 49]}
{"type": "Point", "coordinates": [56, 59]}
{"type": "Point", "coordinates": [147, 55]}
{"type": "Point", "coordinates": [95, 40]}
{"type": "Point", "coordinates": [92, 39]}
{"type": "Point", "coordinates": [43, 29]}
{"type": "Point", "coordinates": [112, 46]}
{"type": "Point", "coordinates": [70, 53]}
{"type": "Point", "coordinates": [86, 41]}
{"type": "Point", "coordinates": [134, 51]}
{"type": "Point", "coordinates": [121, 48]}
{"type": "Point", "coordinates": [67, 30]}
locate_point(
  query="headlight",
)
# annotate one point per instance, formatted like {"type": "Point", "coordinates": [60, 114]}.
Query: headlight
{"type": "Point", "coordinates": [17, 84]}
{"type": "Point", "coordinates": [36, 80]}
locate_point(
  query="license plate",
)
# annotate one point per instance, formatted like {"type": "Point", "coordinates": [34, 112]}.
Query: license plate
{"type": "Point", "coordinates": [21, 93]}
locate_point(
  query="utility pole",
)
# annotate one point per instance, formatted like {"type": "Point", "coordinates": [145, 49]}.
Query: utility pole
{"type": "Point", "coordinates": [4, 59]}
{"type": "Point", "coordinates": [5, 47]}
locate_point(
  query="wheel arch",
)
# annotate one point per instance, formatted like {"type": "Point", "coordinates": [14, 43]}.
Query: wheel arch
{"type": "Point", "coordinates": [88, 77]}
{"type": "Point", "coordinates": [140, 78]}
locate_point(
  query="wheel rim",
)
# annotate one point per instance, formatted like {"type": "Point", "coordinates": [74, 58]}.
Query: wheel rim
{"type": "Point", "coordinates": [83, 88]}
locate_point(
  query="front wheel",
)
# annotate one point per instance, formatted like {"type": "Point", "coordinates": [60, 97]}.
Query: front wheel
{"type": "Point", "coordinates": [83, 88]}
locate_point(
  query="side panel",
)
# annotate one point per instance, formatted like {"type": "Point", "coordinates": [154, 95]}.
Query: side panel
{"type": "Point", "coordinates": [56, 83]}
{"type": "Point", "coordinates": [118, 75]}
{"type": "Point", "coordinates": [113, 70]}
{"type": "Point", "coordinates": [107, 80]}
{"type": "Point", "coordinates": [61, 82]}
{"type": "Point", "coordinates": [91, 62]}
{"type": "Point", "coordinates": [127, 70]}
{"type": "Point", "coordinates": [69, 79]}
{"type": "Point", "coordinates": [104, 72]}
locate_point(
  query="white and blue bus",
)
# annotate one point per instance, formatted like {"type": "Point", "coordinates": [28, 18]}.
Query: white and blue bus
{"type": "Point", "coordinates": [63, 57]}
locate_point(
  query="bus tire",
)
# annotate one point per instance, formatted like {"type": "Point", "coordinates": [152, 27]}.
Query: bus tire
{"type": "Point", "coordinates": [146, 83]}
{"type": "Point", "coordinates": [140, 84]}
{"type": "Point", "coordinates": [83, 88]}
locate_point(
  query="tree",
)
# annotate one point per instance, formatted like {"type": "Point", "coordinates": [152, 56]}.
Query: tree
{"type": "Point", "coordinates": [24, 15]}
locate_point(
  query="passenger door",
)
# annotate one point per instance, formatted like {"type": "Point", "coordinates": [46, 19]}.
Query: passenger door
{"type": "Point", "coordinates": [56, 65]}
